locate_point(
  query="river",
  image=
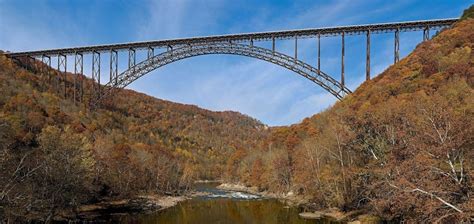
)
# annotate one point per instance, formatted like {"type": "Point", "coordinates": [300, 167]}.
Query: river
{"type": "Point", "coordinates": [220, 206]}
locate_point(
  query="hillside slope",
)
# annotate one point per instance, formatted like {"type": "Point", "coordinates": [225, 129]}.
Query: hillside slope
{"type": "Point", "coordinates": [401, 146]}
{"type": "Point", "coordinates": [57, 155]}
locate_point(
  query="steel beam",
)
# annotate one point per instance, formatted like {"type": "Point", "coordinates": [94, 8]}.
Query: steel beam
{"type": "Point", "coordinates": [78, 71]}
{"type": "Point", "coordinates": [113, 66]}
{"type": "Point", "coordinates": [397, 47]}
{"type": "Point", "coordinates": [367, 59]}
{"type": "Point", "coordinates": [342, 58]}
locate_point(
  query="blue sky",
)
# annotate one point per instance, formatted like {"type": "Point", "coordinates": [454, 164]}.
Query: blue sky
{"type": "Point", "coordinates": [262, 90]}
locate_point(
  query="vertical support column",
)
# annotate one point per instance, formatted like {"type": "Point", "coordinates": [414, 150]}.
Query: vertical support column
{"type": "Point", "coordinates": [46, 67]}
{"type": "Point", "coordinates": [319, 53]}
{"type": "Point", "coordinates": [113, 66]}
{"type": "Point", "coordinates": [78, 71]}
{"type": "Point", "coordinates": [296, 48]}
{"type": "Point", "coordinates": [273, 44]}
{"type": "Point", "coordinates": [62, 66]}
{"type": "Point", "coordinates": [170, 49]}
{"type": "Point", "coordinates": [57, 80]}
{"type": "Point", "coordinates": [96, 74]}
{"type": "Point", "coordinates": [367, 60]}
{"type": "Point", "coordinates": [131, 57]}
{"type": "Point", "coordinates": [251, 42]}
{"type": "Point", "coordinates": [151, 52]}
{"type": "Point", "coordinates": [397, 47]}
{"type": "Point", "coordinates": [426, 33]}
{"type": "Point", "coordinates": [342, 59]}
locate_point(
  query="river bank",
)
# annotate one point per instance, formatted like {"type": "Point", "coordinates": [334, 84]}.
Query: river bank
{"type": "Point", "coordinates": [141, 203]}
{"type": "Point", "coordinates": [301, 201]}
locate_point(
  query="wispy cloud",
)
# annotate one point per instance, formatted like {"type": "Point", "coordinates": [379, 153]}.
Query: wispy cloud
{"type": "Point", "coordinates": [176, 18]}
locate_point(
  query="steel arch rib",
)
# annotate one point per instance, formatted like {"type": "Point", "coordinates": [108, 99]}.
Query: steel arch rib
{"type": "Point", "coordinates": [186, 51]}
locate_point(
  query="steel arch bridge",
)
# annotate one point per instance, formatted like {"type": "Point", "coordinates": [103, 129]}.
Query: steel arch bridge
{"type": "Point", "coordinates": [322, 79]}
{"type": "Point", "coordinates": [234, 44]}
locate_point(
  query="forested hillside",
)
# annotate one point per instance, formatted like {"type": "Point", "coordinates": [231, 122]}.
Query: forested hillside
{"type": "Point", "coordinates": [56, 155]}
{"type": "Point", "coordinates": [401, 146]}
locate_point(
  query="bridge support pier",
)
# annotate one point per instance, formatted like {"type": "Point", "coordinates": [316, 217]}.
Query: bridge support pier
{"type": "Point", "coordinates": [367, 59]}
{"type": "Point", "coordinates": [46, 61]}
{"type": "Point", "coordinates": [78, 71]}
{"type": "Point", "coordinates": [96, 74]}
{"type": "Point", "coordinates": [319, 53]}
{"type": "Point", "coordinates": [113, 66]}
{"type": "Point", "coordinates": [296, 48]}
{"type": "Point", "coordinates": [397, 47]}
{"type": "Point", "coordinates": [342, 59]}
{"type": "Point", "coordinates": [426, 33]}
{"type": "Point", "coordinates": [273, 45]}
{"type": "Point", "coordinates": [62, 69]}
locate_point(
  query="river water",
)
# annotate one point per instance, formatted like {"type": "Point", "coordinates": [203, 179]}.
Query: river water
{"type": "Point", "coordinates": [221, 206]}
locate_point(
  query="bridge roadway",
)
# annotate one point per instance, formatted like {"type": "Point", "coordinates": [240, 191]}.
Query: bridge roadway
{"type": "Point", "coordinates": [422, 25]}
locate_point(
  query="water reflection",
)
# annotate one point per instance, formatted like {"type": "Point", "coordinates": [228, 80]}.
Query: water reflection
{"type": "Point", "coordinates": [209, 209]}
{"type": "Point", "coordinates": [222, 210]}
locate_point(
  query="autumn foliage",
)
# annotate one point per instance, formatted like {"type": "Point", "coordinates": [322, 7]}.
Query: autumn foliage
{"type": "Point", "coordinates": [57, 155]}
{"type": "Point", "coordinates": [400, 146]}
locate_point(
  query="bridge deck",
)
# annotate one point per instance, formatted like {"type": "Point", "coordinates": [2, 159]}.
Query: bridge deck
{"type": "Point", "coordinates": [244, 37]}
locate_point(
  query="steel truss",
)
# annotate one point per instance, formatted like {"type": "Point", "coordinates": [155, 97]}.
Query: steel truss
{"type": "Point", "coordinates": [300, 67]}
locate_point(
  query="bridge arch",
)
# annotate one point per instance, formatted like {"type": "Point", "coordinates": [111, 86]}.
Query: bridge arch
{"type": "Point", "coordinates": [186, 51]}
